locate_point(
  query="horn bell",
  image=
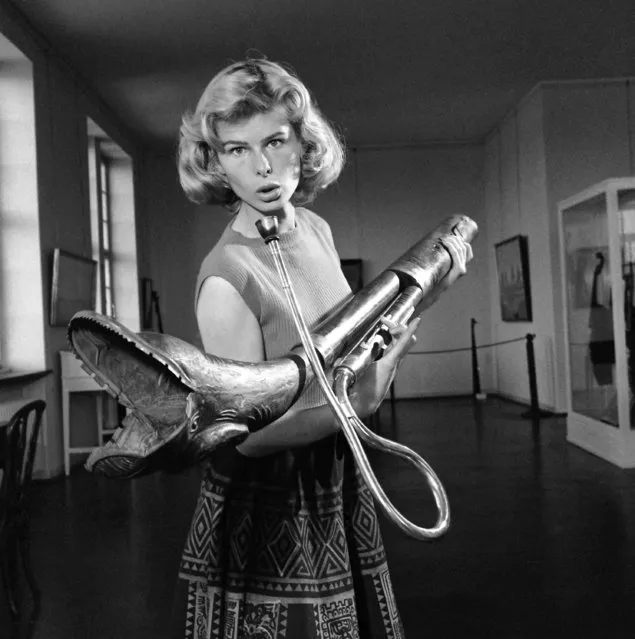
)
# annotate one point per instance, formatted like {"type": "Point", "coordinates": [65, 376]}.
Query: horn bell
{"type": "Point", "coordinates": [178, 398]}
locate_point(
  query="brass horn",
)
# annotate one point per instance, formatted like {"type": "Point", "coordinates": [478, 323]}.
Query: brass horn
{"type": "Point", "coordinates": [184, 404]}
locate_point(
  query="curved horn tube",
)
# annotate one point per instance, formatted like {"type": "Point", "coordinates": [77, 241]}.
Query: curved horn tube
{"type": "Point", "coordinates": [420, 269]}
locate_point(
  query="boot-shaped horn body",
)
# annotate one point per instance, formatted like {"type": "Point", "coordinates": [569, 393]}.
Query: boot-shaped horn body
{"type": "Point", "coordinates": [182, 403]}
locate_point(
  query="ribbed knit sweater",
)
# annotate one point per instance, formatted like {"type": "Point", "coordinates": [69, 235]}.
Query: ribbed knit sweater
{"type": "Point", "coordinates": [316, 276]}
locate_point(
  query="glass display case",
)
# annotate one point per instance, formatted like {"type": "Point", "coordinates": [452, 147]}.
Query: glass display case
{"type": "Point", "coordinates": [597, 243]}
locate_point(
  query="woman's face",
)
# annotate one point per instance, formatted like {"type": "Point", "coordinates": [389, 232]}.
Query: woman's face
{"type": "Point", "coordinates": [261, 160]}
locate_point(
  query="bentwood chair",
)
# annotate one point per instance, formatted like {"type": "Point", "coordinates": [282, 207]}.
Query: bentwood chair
{"type": "Point", "coordinates": [18, 445]}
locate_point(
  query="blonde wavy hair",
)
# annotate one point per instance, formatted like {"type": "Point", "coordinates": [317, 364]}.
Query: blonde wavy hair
{"type": "Point", "coordinates": [239, 91]}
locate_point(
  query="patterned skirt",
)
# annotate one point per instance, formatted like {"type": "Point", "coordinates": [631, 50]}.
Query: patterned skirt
{"type": "Point", "coordinates": [286, 546]}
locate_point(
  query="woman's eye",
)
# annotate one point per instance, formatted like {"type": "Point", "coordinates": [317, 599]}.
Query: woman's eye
{"type": "Point", "coordinates": [274, 144]}
{"type": "Point", "coordinates": [237, 151]}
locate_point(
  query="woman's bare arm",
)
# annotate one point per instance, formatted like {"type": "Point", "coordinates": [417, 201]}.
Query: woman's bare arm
{"type": "Point", "coordinates": [230, 330]}
{"type": "Point", "coordinates": [227, 326]}
{"type": "Point", "coordinates": [298, 427]}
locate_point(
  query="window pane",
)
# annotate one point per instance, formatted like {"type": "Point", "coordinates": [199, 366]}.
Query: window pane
{"type": "Point", "coordinates": [104, 176]}
{"type": "Point", "coordinates": [104, 206]}
{"type": "Point", "coordinates": [106, 236]}
{"type": "Point", "coordinates": [109, 310]}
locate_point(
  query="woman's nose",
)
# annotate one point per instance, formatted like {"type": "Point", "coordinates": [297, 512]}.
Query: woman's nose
{"type": "Point", "coordinates": [263, 165]}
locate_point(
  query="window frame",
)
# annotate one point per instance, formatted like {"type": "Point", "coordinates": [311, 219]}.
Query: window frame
{"type": "Point", "coordinates": [101, 227]}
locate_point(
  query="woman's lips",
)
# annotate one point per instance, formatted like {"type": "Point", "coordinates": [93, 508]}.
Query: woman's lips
{"type": "Point", "coordinates": [268, 194]}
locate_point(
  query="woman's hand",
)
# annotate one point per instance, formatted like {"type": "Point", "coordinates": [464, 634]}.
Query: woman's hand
{"type": "Point", "coordinates": [461, 253]}
{"type": "Point", "coordinates": [369, 392]}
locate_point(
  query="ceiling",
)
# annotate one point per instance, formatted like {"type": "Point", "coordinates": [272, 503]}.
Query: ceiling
{"type": "Point", "coordinates": [391, 72]}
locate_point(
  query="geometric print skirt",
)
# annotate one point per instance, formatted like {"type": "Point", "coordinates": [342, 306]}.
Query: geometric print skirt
{"type": "Point", "coordinates": [285, 547]}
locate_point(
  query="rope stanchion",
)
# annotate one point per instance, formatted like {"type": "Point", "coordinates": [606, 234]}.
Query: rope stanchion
{"type": "Point", "coordinates": [477, 393]}
{"type": "Point", "coordinates": [534, 412]}
{"type": "Point", "coordinates": [467, 348]}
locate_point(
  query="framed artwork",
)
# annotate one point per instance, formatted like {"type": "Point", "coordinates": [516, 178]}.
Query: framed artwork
{"type": "Point", "coordinates": [73, 288]}
{"type": "Point", "coordinates": [146, 303]}
{"type": "Point", "coordinates": [353, 273]}
{"type": "Point", "coordinates": [512, 264]}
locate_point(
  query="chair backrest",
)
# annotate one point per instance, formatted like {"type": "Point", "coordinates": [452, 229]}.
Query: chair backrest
{"type": "Point", "coordinates": [19, 443]}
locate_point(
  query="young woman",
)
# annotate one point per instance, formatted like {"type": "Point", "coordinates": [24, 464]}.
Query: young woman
{"type": "Point", "coordinates": [285, 541]}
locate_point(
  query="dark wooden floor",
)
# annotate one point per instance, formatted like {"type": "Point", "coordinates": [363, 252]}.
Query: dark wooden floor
{"type": "Point", "coordinates": [541, 542]}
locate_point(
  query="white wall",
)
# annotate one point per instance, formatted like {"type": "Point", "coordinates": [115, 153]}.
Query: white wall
{"type": "Point", "coordinates": [561, 139]}
{"type": "Point", "coordinates": [516, 202]}
{"type": "Point", "coordinates": [388, 199]}
{"type": "Point", "coordinates": [176, 236]}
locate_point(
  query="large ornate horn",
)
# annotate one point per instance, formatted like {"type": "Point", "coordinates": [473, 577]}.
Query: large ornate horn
{"type": "Point", "coordinates": [416, 275]}
{"type": "Point", "coordinates": [183, 403]}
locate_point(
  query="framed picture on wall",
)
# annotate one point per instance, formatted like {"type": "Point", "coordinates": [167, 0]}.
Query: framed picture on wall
{"type": "Point", "coordinates": [512, 264]}
{"type": "Point", "coordinates": [73, 287]}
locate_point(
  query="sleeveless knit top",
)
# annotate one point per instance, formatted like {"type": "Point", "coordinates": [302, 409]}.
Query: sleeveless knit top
{"type": "Point", "coordinates": [314, 268]}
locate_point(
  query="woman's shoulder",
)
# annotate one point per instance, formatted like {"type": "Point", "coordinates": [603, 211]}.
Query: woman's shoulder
{"type": "Point", "coordinates": [227, 250]}
{"type": "Point", "coordinates": [227, 260]}
{"type": "Point", "coordinates": [313, 221]}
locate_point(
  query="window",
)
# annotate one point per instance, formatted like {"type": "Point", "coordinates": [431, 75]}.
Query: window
{"type": "Point", "coordinates": [101, 225]}
{"type": "Point", "coordinates": [113, 227]}
{"type": "Point", "coordinates": [21, 299]}
{"type": "Point", "coordinates": [113, 236]}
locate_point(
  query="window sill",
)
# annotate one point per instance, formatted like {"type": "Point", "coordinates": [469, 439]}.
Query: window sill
{"type": "Point", "coordinates": [12, 377]}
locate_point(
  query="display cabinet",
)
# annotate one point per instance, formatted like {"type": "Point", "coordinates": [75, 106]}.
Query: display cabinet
{"type": "Point", "coordinates": [597, 244]}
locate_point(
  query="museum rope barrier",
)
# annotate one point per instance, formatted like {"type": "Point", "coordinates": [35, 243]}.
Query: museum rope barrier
{"type": "Point", "coordinates": [535, 412]}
